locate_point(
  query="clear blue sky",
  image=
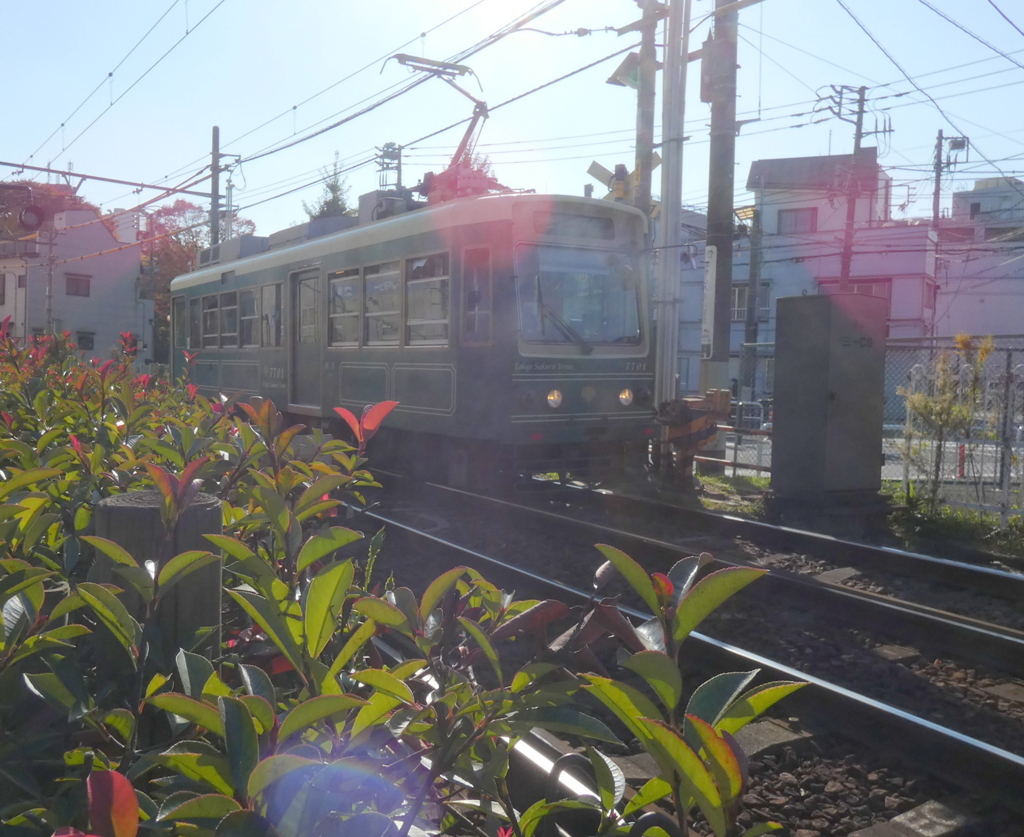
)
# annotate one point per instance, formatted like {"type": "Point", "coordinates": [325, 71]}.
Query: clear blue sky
{"type": "Point", "coordinates": [267, 73]}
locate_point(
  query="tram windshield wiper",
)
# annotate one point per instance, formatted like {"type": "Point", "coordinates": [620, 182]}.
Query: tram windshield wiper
{"type": "Point", "coordinates": [566, 329]}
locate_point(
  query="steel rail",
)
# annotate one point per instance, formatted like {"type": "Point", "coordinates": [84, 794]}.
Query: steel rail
{"type": "Point", "coordinates": [949, 633]}
{"type": "Point", "coordinates": [941, 751]}
{"type": "Point", "coordinates": [998, 583]}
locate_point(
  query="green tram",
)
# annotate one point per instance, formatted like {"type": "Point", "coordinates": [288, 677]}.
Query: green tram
{"type": "Point", "coordinates": [514, 330]}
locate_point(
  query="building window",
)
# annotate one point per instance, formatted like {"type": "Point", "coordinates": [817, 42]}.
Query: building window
{"type": "Point", "coordinates": [881, 288]}
{"type": "Point", "coordinates": [271, 319]}
{"type": "Point", "coordinates": [3, 288]}
{"type": "Point", "coordinates": [975, 209]}
{"type": "Point", "coordinates": [345, 289]}
{"type": "Point", "coordinates": [211, 322]}
{"type": "Point", "coordinates": [794, 221]}
{"type": "Point", "coordinates": [76, 285]}
{"type": "Point", "coordinates": [476, 312]}
{"type": "Point", "coordinates": [229, 320]}
{"type": "Point", "coordinates": [382, 304]}
{"type": "Point", "coordinates": [426, 301]}
{"type": "Point", "coordinates": [248, 318]}
{"type": "Point", "coordinates": [739, 303]}
{"type": "Point", "coordinates": [22, 280]}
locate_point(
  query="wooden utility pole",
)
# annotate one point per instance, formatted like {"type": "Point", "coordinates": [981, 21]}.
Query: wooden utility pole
{"type": "Point", "coordinates": [215, 188]}
{"type": "Point", "coordinates": [720, 72]}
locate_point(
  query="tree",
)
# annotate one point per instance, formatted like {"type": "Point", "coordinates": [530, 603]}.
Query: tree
{"type": "Point", "coordinates": [334, 200]}
{"type": "Point", "coordinates": [177, 232]}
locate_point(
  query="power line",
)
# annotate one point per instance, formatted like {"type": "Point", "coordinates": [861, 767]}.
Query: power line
{"type": "Point", "coordinates": [923, 92]}
{"type": "Point", "coordinates": [992, 3]}
{"type": "Point", "coordinates": [967, 31]}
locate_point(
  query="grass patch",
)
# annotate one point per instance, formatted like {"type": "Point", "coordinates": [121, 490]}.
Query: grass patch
{"type": "Point", "coordinates": [743, 496]}
{"type": "Point", "coordinates": [914, 523]}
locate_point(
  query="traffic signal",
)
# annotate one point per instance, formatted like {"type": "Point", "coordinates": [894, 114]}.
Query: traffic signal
{"type": "Point", "coordinates": [31, 218]}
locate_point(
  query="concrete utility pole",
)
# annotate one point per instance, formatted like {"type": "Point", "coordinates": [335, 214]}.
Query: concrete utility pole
{"type": "Point", "coordinates": [852, 193]}
{"type": "Point", "coordinates": [645, 104]}
{"type": "Point", "coordinates": [720, 72]}
{"type": "Point", "coordinates": [215, 189]}
{"type": "Point", "coordinates": [677, 47]}
{"type": "Point", "coordinates": [938, 181]}
{"type": "Point", "coordinates": [753, 288]}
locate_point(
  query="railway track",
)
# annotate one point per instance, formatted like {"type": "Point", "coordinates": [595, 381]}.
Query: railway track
{"type": "Point", "coordinates": [958, 756]}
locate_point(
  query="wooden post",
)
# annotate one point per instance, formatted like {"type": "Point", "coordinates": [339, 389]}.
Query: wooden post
{"type": "Point", "coordinates": [133, 521]}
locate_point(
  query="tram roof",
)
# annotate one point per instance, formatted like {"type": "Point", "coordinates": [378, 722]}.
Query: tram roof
{"type": "Point", "coordinates": [459, 212]}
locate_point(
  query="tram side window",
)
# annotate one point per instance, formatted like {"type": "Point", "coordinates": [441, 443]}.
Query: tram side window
{"type": "Point", "coordinates": [271, 320]}
{"type": "Point", "coordinates": [247, 319]}
{"type": "Point", "coordinates": [345, 288]}
{"type": "Point", "coordinates": [383, 304]}
{"type": "Point", "coordinates": [195, 320]}
{"type": "Point", "coordinates": [179, 318]}
{"type": "Point", "coordinates": [476, 281]}
{"type": "Point", "coordinates": [211, 322]}
{"type": "Point", "coordinates": [427, 301]}
{"type": "Point", "coordinates": [229, 319]}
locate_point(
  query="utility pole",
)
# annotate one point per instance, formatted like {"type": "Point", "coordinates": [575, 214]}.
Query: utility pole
{"type": "Point", "coordinates": [753, 287]}
{"type": "Point", "coordinates": [852, 193]}
{"type": "Point", "coordinates": [645, 105]}
{"type": "Point", "coordinates": [719, 56]}
{"type": "Point", "coordinates": [938, 182]}
{"type": "Point", "coordinates": [50, 261]}
{"type": "Point", "coordinates": [677, 47]}
{"type": "Point", "coordinates": [215, 189]}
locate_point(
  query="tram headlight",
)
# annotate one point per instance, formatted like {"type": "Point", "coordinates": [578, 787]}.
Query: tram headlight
{"type": "Point", "coordinates": [555, 399]}
{"type": "Point", "coordinates": [626, 397]}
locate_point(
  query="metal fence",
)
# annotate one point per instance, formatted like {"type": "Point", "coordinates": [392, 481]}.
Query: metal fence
{"type": "Point", "coordinates": [954, 420]}
{"type": "Point", "coordinates": [964, 440]}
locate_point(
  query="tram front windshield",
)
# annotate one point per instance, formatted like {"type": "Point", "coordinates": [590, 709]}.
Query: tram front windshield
{"type": "Point", "coordinates": [574, 295]}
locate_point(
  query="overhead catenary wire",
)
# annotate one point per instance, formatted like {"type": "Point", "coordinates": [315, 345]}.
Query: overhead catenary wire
{"type": "Point", "coordinates": [107, 78]}
{"type": "Point", "coordinates": [492, 39]}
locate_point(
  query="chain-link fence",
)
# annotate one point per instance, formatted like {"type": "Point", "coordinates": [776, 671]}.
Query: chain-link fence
{"type": "Point", "coordinates": [953, 418]}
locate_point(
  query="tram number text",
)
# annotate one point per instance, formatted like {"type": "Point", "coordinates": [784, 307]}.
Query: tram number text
{"type": "Point", "coordinates": [273, 376]}
{"type": "Point", "coordinates": [635, 366]}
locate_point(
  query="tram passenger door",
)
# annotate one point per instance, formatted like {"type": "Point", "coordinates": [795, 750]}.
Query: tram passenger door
{"type": "Point", "coordinates": [306, 354]}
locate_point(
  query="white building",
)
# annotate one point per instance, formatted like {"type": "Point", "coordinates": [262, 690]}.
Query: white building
{"type": "Point", "coordinates": [803, 211]}
{"type": "Point", "coordinates": [93, 281]}
{"type": "Point", "coordinates": [981, 264]}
